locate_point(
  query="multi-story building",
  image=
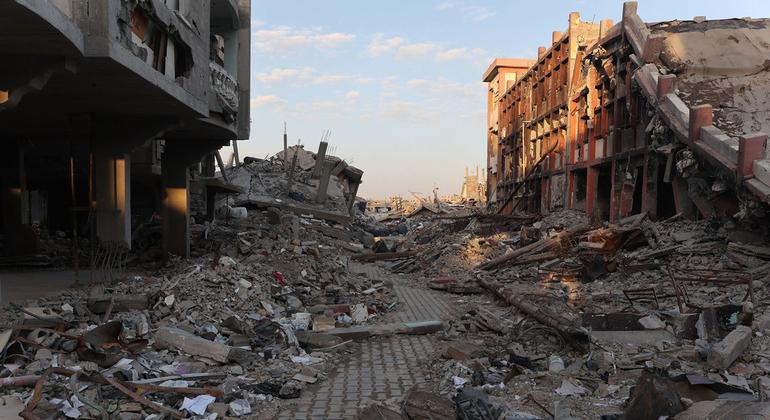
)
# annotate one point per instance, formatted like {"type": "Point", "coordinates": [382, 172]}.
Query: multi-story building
{"type": "Point", "coordinates": [105, 105]}
{"type": "Point", "coordinates": [626, 126]}
{"type": "Point", "coordinates": [500, 75]}
{"type": "Point", "coordinates": [532, 115]}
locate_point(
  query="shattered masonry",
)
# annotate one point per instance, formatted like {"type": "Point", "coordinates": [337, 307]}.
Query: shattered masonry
{"type": "Point", "coordinates": [616, 120]}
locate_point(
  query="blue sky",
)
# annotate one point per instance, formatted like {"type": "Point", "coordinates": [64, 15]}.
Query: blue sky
{"type": "Point", "coordinates": [398, 82]}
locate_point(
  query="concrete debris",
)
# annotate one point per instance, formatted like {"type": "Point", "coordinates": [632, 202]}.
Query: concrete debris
{"type": "Point", "coordinates": [724, 353]}
{"type": "Point", "coordinates": [607, 324]}
{"type": "Point", "coordinates": [614, 263]}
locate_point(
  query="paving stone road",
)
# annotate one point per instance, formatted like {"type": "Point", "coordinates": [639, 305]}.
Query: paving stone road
{"type": "Point", "coordinates": [384, 367]}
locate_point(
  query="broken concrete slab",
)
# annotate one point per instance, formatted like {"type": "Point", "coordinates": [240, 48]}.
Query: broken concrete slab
{"type": "Point", "coordinates": [463, 350]}
{"type": "Point", "coordinates": [724, 353]}
{"type": "Point", "coordinates": [425, 405]}
{"type": "Point", "coordinates": [410, 328]}
{"type": "Point", "coordinates": [175, 338]}
{"type": "Point", "coordinates": [378, 412]}
{"type": "Point", "coordinates": [120, 303]}
{"type": "Point", "coordinates": [317, 340]}
{"type": "Point", "coordinates": [644, 337]}
{"type": "Point", "coordinates": [726, 410]}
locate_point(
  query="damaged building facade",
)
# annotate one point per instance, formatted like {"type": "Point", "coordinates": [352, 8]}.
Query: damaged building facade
{"type": "Point", "coordinates": [615, 120]}
{"type": "Point", "coordinates": [106, 106]}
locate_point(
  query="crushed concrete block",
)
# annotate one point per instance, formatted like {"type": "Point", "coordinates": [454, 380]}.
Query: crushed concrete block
{"type": "Point", "coordinates": [724, 409]}
{"type": "Point", "coordinates": [463, 350]}
{"type": "Point", "coordinates": [317, 340]}
{"type": "Point", "coordinates": [652, 322]}
{"type": "Point", "coordinates": [724, 353]}
{"type": "Point", "coordinates": [424, 405]}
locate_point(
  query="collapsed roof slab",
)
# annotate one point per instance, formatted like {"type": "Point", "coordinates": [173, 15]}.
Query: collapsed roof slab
{"type": "Point", "coordinates": [723, 63]}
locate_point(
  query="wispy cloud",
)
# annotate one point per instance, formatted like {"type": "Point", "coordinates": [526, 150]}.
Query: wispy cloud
{"type": "Point", "coordinates": [460, 54]}
{"type": "Point", "coordinates": [302, 76]}
{"type": "Point", "coordinates": [408, 111]}
{"type": "Point", "coordinates": [417, 83]}
{"type": "Point", "coordinates": [282, 39]}
{"type": "Point", "coordinates": [402, 49]}
{"type": "Point", "coordinates": [421, 49]}
{"type": "Point", "coordinates": [472, 11]}
{"type": "Point", "coordinates": [344, 105]}
{"type": "Point", "coordinates": [380, 44]}
{"type": "Point", "coordinates": [352, 95]}
{"type": "Point", "coordinates": [266, 100]}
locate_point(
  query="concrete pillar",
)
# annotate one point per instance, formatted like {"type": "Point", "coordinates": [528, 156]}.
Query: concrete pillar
{"type": "Point", "coordinates": [700, 116]}
{"type": "Point", "coordinates": [176, 202]}
{"type": "Point", "coordinates": [352, 202]}
{"type": "Point", "coordinates": [112, 188]}
{"type": "Point", "coordinates": [665, 84]}
{"type": "Point", "coordinates": [323, 183]}
{"type": "Point", "coordinates": [592, 179]}
{"type": "Point", "coordinates": [320, 159]}
{"type": "Point", "coordinates": [751, 147]}
{"type": "Point", "coordinates": [178, 156]}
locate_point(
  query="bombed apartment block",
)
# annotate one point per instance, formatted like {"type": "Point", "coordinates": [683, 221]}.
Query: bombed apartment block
{"type": "Point", "coordinates": [665, 118]}
{"type": "Point", "coordinates": [106, 106]}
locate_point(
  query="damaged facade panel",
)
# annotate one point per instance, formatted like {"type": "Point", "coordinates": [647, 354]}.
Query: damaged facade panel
{"type": "Point", "coordinates": [662, 118]}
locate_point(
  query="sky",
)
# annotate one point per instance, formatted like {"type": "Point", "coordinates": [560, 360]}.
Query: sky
{"type": "Point", "coordinates": [398, 82]}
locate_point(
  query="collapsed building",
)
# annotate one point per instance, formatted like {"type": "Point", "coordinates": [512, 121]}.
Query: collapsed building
{"type": "Point", "coordinates": [616, 120]}
{"type": "Point", "coordinates": [106, 106]}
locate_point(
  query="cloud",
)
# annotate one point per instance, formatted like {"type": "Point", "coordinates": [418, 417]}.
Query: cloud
{"type": "Point", "coordinates": [341, 106]}
{"type": "Point", "coordinates": [279, 75]}
{"type": "Point", "coordinates": [473, 12]}
{"type": "Point", "coordinates": [282, 39]}
{"type": "Point", "coordinates": [417, 83]}
{"type": "Point", "coordinates": [417, 50]}
{"type": "Point", "coordinates": [352, 95]}
{"type": "Point", "coordinates": [380, 45]}
{"type": "Point", "coordinates": [303, 76]}
{"type": "Point", "coordinates": [459, 54]}
{"type": "Point", "coordinates": [472, 92]}
{"type": "Point", "coordinates": [406, 111]}
{"type": "Point", "coordinates": [261, 101]}
{"type": "Point", "coordinates": [404, 50]}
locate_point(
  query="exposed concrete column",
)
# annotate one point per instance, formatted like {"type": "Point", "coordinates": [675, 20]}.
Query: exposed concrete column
{"type": "Point", "coordinates": [177, 158]}
{"type": "Point", "coordinates": [112, 187]}
{"type": "Point", "coordinates": [665, 84]}
{"type": "Point", "coordinates": [320, 159]}
{"type": "Point", "coordinates": [323, 183]}
{"type": "Point", "coordinates": [352, 202]}
{"type": "Point", "coordinates": [176, 203]}
{"type": "Point", "coordinates": [592, 180]}
{"type": "Point", "coordinates": [751, 147]}
{"type": "Point", "coordinates": [700, 116]}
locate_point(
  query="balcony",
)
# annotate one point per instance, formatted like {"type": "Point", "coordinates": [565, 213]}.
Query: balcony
{"type": "Point", "coordinates": [225, 89]}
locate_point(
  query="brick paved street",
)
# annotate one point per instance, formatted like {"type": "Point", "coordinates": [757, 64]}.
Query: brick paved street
{"type": "Point", "coordinates": [383, 368]}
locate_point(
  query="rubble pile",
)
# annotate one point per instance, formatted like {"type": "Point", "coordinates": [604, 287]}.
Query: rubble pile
{"type": "Point", "coordinates": [294, 181]}
{"type": "Point", "coordinates": [251, 321]}
{"type": "Point", "coordinates": [636, 319]}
